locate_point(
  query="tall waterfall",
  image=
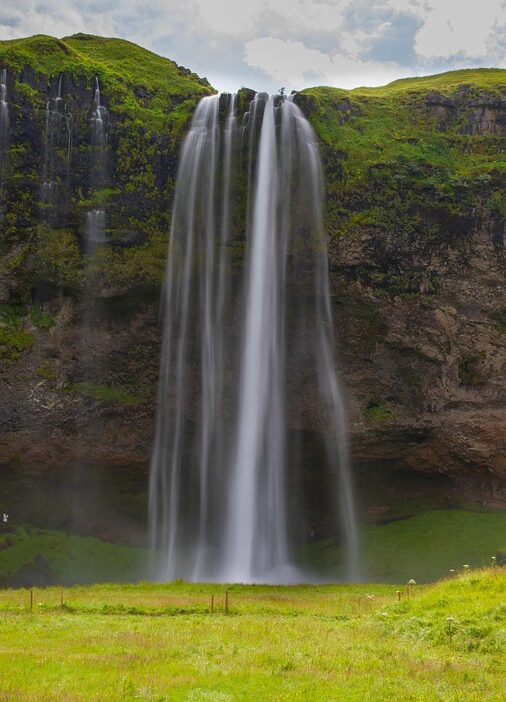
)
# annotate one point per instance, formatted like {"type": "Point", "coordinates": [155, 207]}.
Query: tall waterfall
{"type": "Point", "coordinates": [96, 218]}
{"type": "Point", "coordinates": [249, 406]}
{"type": "Point", "coordinates": [4, 134]}
{"type": "Point", "coordinates": [56, 166]}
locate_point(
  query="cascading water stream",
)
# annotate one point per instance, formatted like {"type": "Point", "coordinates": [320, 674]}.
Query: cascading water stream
{"type": "Point", "coordinates": [257, 540]}
{"type": "Point", "coordinates": [4, 135]}
{"type": "Point", "coordinates": [247, 359]}
{"type": "Point", "coordinates": [94, 241]}
{"type": "Point", "coordinates": [96, 218]}
{"type": "Point", "coordinates": [56, 170]}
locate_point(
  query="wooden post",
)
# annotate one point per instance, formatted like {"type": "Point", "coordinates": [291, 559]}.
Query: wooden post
{"type": "Point", "coordinates": [399, 595]}
{"type": "Point", "coordinates": [61, 597]}
{"type": "Point", "coordinates": [31, 598]}
{"type": "Point", "coordinates": [226, 601]}
{"type": "Point", "coordinates": [212, 604]}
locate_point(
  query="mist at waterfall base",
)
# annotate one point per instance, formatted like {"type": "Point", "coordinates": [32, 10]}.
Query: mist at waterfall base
{"type": "Point", "coordinates": [250, 413]}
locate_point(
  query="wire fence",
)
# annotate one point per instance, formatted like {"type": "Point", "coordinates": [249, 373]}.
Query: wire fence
{"type": "Point", "coordinates": [156, 601]}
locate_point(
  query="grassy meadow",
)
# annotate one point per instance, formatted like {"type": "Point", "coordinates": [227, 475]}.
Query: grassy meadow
{"type": "Point", "coordinates": [367, 642]}
{"type": "Point", "coordinates": [335, 642]}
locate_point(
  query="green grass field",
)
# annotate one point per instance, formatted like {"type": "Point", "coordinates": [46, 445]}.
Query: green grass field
{"type": "Point", "coordinates": [337, 642]}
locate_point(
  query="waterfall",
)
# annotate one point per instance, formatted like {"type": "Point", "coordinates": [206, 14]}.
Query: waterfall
{"type": "Point", "coordinates": [94, 238]}
{"type": "Point", "coordinates": [56, 164]}
{"type": "Point", "coordinates": [96, 218]}
{"type": "Point", "coordinates": [257, 541]}
{"type": "Point", "coordinates": [4, 135]}
{"type": "Point", "coordinates": [247, 369]}
{"type": "Point", "coordinates": [95, 229]}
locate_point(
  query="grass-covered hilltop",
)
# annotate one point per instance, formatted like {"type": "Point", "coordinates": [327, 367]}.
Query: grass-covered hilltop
{"type": "Point", "coordinates": [415, 216]}
{"type": "Point", "coordinates": [150, 100]}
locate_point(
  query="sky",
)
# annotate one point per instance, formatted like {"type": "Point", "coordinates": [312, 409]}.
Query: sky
{"type": "Point", "coordinates": [269, 44]}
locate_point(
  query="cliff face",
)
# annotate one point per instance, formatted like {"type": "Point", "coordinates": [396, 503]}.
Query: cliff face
{"type": "Point", "coordinates": [79, 324]}
{"type": "Point", "coordinates": [416, 228]}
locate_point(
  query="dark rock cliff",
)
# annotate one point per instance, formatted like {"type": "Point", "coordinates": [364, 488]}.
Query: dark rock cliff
{"type": "Point", "coordinates": [416, 241]}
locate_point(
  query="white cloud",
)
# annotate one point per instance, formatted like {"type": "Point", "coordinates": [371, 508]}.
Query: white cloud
{"type": "Point", "coordinates": [294, 42]}
{"type": "Point", "coordinates": [291, 63]}
{"type": "Point", "coordinates": [455, 26]}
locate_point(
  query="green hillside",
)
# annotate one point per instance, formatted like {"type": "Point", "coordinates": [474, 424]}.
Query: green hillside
{"type": "Point", "coordinates": [375, 125]}
{"type": "Point", "coordinates": [159, 83]}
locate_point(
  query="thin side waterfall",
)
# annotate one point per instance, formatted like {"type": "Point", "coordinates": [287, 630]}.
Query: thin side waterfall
{"type": "Point", "coordinates": [96, 218]}
{"type": "Point", "coordinates": [180, 527]}
{"type": "Point", "coordinates": [4, 135]}
{"type": "Point", "coordinates": [56, 165]}
{"type": "Point", "coordinates": [94, 240]}
{"type": "Point", "coordinates": [249, 403]}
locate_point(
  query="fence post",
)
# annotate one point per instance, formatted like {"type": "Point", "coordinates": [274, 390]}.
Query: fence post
{"type": "Point", "coordinates": [226, 601]}
{"type": "Point", "coordinates": [31, 598]}
{"type": "Point", "coordinates": [61, 597]}
{"type": "Point", "coordinates": [212, 604]}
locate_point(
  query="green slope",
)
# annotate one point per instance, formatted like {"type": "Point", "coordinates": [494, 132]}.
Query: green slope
{"type": "Point", "coordinates": [425, 547]}
{"type": "Point", "coordinates": [375, 125]}
{"type": "Point", "coordinates": [39, 556]}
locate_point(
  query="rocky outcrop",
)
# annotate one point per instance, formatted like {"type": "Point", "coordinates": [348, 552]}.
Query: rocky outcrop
{"type": "Point", "coordinates": [475, 113]}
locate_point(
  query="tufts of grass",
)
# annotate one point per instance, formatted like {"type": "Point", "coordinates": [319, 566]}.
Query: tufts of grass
{"type": "Point", "coordinates": [14, 340]}
{"type": "Point", "coordinates": [47, 370]}
{"type": "Point", "coordinates": [377, 412]}
{"type": "Point", "coordinates": [41, 319]}
{"type": "Point", "coordinates": [467, 612]}
{"type": "Point", "coordinates": [106, 393]}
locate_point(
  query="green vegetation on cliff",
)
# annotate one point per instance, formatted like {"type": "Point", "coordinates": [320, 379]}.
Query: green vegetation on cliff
{"type": "Point", "coordinates": [401, 122]}
{"type": "Point", "coordinates": [136, 81]}
{"type": "Point", "coordinates": [415, 167]}
{"type": "Point", "coordinates": [149, 101]}
{"type": "Point", "coordinates": [13, 338]}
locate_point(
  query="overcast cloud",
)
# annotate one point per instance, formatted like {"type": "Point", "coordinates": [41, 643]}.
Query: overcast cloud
{"type": "Point", "coordinates": [291, 43]}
